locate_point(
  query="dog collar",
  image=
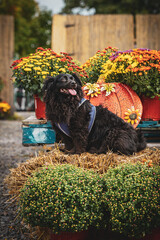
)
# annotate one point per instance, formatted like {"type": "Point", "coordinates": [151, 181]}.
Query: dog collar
{"type": "Point", "coordinates": [64, 127]}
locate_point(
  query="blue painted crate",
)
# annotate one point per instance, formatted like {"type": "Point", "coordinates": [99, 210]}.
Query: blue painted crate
{"type": "Point", "coordinates": [37, 132]}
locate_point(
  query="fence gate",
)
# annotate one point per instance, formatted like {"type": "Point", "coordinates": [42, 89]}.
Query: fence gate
{"type": "Point", "coordinates": [6, 56]}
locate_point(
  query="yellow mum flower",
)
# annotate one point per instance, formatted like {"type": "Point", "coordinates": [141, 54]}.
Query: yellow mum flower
{"type": "Point", "coordinates": [39, 63]}
{"type": "Point", "coordinates": [5, 107]}
{"type": "Point", "coordinates": [45, 73]}
{"type": "Point", "coordinates": [62, 69]}
{"type": "Point", "coordinates": [27, 69]}
{"type": "Point", "coordinates": [37, 69]}
{"type": "Point", "coordinates": [134, 64]}
{"type": "Point", "coordinates": [29, 65]}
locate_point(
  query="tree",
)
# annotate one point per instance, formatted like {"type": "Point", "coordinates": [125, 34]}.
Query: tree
{"type": "Point", "coordinates": [113, 6]}
{"type": "Point", "coordinates": [32, 25]}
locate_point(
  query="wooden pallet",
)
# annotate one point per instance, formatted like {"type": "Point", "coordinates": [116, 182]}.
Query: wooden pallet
{"type": "Point", "coordinates": [151, 130]}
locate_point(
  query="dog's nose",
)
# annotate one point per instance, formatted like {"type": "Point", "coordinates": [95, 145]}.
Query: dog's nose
{"type": "Point", "coordinates": [72, 83]}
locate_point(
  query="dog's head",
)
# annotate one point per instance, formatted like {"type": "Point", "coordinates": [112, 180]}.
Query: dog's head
{"type": "Point", "coordinates": [62, 86]}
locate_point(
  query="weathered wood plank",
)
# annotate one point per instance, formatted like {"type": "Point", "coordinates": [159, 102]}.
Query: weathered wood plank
{"type": "Point", "coordinates": [58, 43]}
{"type": "Point", "coordinates": [33, 120]}
{"type": "Point", "coordinates": [148, 31]}
{"type": "Point", "coordinates": [83, 36]}
{"type": "Point", "coordinates": [6, 56]}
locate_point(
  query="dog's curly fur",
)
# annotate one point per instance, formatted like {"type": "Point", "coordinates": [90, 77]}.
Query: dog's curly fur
{"type": "Point", "coordinates": [62, 95]}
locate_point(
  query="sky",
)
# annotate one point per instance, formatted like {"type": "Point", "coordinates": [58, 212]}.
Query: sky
{"type": "Point", "coordinates": [54, 5]}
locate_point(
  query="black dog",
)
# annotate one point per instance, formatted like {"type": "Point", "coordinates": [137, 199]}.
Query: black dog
{"type": "Point", "coordinates": [83, 127]}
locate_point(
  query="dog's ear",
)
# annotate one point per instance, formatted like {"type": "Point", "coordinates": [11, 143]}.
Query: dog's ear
{"type": "Point", "coordinates": [47, 84]}
{"type": "Point", "coordinates": [77, 79]}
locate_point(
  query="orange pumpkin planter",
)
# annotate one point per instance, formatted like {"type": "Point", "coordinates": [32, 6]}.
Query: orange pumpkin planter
{"type": "Point", "coordinates": [118, 98]}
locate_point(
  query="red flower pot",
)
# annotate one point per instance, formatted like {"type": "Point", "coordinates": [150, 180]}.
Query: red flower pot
{"type": "Point", "coordinates": [154, 235]}
{"type": "Point", "coordinates": [39, 108]}
{"type": "Point", "coordinates": [151, 108]}
{"type": "Point", "coordinates": [70, 236]}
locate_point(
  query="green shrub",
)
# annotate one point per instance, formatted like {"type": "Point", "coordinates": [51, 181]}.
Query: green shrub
{"type": "Point", "coordinates": [132, 195]}
{"type": "Point", "coordinates": [63, 198]}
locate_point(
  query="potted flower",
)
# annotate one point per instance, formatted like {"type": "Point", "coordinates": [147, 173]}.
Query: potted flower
{"type": "Point", "coordinates": [131, 193]}
{"type": "Point", "coordinates": [63, 198]}
{"type": "Point", "coordinates": [94, 64]}
{"type": "Point", "coordinates": [30, 72]}
{"type": "Point", "coordinates": [4, 110]}
{"type": "Point", "coordinates": [140, 69]}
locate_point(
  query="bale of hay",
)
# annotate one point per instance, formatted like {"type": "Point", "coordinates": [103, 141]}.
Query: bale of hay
{"type": "Point", "coordinates": [99, 163]}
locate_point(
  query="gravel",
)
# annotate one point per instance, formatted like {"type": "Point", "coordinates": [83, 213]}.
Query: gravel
{"type": "Point", "coordinates": [12, 152]}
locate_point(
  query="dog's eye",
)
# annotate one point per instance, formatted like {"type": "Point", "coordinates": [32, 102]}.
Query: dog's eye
{"type": "Point", "coordinates": [63, 80]}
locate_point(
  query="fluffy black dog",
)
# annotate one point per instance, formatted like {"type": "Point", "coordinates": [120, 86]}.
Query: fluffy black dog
{"type": "Point", "coordinates": [83, 127]}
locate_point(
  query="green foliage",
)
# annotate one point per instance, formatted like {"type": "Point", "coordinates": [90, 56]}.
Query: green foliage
{"type": "Point", "coordinates": [67, 198]}
{"type": "Point", "coordinates": [32, 26]}
{"type": "Point", "coordinates": [132, 195]}
{"type": "Point", "coordinates": [63, 198]}
{"type": "Point", "coordinates": [114, 6]}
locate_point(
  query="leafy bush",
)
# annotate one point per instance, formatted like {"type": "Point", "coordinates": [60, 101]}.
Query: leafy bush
{"type": "Point", "coordinates": [138, 68]}
{"type": "Point", "coordinates": [132, 195]}
{"type": "Point", "coordinates": [63, 198]}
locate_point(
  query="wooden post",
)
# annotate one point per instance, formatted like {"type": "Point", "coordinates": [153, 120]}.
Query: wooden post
{"type": "Point", "coordinates": [6, 57]}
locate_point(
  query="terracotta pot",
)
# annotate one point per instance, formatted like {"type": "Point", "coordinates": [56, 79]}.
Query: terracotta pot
{"type": "Point", "coordinates": [151, 108]}
{"type": "Point", "coordinates": [39, 108]}
{"type": "Point", "coordinates": [83, 235]}
{"type": "Point", "coordinates": [154, 235]}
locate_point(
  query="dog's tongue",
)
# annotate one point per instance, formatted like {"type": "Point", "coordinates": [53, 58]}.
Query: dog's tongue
{"type": "Point", "coordinates": [72, 91]}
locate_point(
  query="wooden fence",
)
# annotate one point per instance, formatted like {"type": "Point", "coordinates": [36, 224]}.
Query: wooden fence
{"type": "Point", "coordinates": [82, 36]}
{"type": "Point", "coordinates": [6, 56]}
